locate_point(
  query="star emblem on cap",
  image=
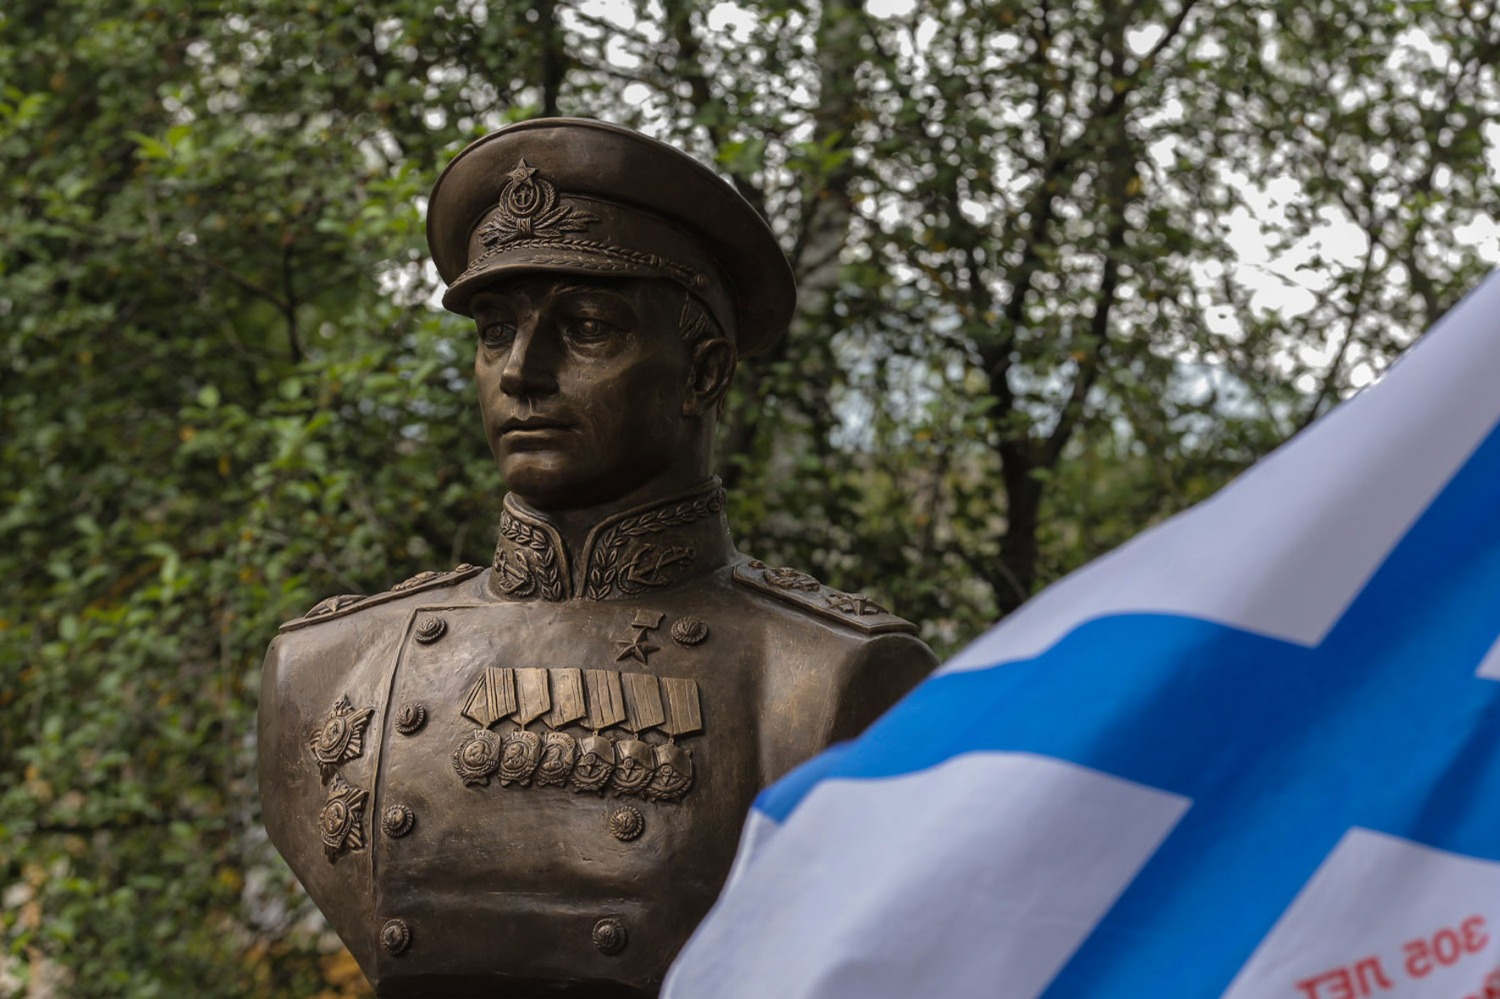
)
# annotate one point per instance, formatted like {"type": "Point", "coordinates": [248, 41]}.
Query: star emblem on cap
{"type": "Point", "coordinates": [522, 173]}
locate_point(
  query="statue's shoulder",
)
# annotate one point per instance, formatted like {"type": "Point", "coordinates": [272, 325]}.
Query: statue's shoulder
{"type": "Point", "coordinates": [802, 592]}
{"type": "Point", "coordinates": [346, 604]}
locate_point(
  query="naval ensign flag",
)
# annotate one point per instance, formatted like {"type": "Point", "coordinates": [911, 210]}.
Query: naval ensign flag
{"type": "Point", "coordinates": [1255, 752]}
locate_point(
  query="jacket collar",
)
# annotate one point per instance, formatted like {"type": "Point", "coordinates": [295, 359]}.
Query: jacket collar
{"type": "Point", "coordinates": [650, 547]}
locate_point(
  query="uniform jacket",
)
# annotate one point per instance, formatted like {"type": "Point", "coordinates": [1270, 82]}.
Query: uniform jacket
{"type": "Point", "coordinates": [529, 779]}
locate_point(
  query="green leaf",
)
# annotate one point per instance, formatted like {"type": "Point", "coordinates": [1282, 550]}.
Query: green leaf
{"type": "Point", "coordinates": [149, 148]}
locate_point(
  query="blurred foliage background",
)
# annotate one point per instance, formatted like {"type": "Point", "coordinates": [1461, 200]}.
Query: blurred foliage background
{"type": "Point", "coordinates": [1029, 327]}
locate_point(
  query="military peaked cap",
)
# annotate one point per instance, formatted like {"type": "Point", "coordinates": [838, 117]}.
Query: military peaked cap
{"type": "Point", "coordinates": [587, 197]}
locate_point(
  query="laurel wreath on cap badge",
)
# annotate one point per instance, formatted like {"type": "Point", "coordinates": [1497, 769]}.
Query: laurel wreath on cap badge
{"type": "Point", "coordinates": [529, 210]}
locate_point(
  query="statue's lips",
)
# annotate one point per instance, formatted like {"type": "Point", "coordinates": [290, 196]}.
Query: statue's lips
{"type": "Point", "coordinates": [533, 430]}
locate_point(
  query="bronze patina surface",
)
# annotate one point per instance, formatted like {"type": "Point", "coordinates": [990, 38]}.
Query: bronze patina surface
{"type": "Point", "coordinates": [528, 778]}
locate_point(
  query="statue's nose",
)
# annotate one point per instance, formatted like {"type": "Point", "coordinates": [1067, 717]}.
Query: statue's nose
{"type": "Point", "coordinates": [530, 366]}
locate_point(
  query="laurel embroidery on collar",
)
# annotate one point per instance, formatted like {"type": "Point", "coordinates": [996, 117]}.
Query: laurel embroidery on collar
{"type": "Point", "coordinates": [634, 553]}
{"type": "Point", "coordinates": [526, 561]}
{"type": "Point", "coordinates": [623, 558]}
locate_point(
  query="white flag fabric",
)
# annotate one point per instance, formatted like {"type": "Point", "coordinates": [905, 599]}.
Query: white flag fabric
{"type": "Point", "coordinates": [1253, 753]}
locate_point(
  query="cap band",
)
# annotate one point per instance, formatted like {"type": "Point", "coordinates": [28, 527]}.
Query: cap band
{"type": "Point", "coordinates": [588, 198]}
{"type": "Point", "coordinates": [534, 228]}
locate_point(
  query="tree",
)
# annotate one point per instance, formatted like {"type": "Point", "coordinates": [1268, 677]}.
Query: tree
{"type": "Point", "coordinates": [1022, 336]}
{"type": "Point", "coordinates": [1030, 208]}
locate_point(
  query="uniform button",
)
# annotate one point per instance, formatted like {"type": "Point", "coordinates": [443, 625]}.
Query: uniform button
{"type": "Point", "coordinates": [430, 629]}
{"type": "Point", "coordinates": [410, 718]}
{"type": "Point", "coordinates": [626, 823]}
{"type": "Point", "coordinates": [609, 935]}
{"type": "Point", "coordinates": [689, 631]}
{"type": "Point", "coordinates": [397, 820]}
{"type": "Point", "coordinates": [395, 937]}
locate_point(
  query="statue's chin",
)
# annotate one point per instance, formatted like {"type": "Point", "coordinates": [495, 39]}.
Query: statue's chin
{"type": "Point", "coordinates": [555, 480]}
{"type": "Point", "coordinates": [548, 481]}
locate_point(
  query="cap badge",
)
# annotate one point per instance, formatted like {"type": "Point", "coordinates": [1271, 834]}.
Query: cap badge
{"type": "Point", "coordinates": [529, 210]}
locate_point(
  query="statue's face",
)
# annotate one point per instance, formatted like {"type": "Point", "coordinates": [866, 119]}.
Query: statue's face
{"type": "Point", "coordinates": [582, 384]}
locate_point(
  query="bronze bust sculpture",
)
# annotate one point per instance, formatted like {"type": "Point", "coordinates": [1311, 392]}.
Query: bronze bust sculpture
{"type": "Point", "coordinates": [529, 778]}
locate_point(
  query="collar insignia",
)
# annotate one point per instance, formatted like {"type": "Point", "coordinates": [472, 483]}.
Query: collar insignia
{"type": "Point", "coordinates": [624, 556]}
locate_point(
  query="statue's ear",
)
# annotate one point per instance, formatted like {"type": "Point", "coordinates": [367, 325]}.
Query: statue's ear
{"type": "Point", "coordinates": [709, 375]}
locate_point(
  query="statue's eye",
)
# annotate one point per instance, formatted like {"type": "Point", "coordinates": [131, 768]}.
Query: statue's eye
{"type": "Point", "coordinates": [496, 333]}
{"type": "Point", "coordinates": [589, 330]}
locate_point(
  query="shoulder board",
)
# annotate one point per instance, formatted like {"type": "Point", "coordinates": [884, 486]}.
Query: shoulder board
{"type": "Point", "coordinates": [348, 603]}
{"type": "Point", "coordinates": [797, 588]}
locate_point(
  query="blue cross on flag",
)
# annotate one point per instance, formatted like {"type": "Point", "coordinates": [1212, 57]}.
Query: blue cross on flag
{"type": "Point", "coordinates": [1254, 753]}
